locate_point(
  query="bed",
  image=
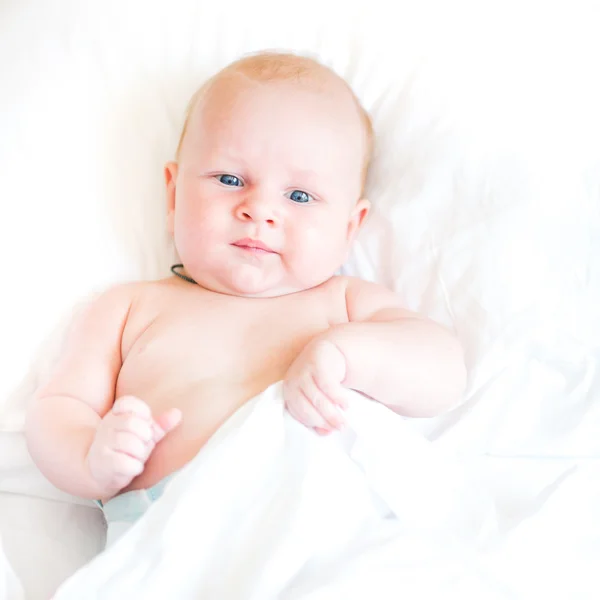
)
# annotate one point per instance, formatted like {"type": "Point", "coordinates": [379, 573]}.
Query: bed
{"type": "Point", "coordinates": [486, 193]}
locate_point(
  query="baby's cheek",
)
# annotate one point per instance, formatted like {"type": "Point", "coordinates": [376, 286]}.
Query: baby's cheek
{"type": "Point", "coordinates": [199, 221]}
{"type": "Point", "coordinates": [319, 252]}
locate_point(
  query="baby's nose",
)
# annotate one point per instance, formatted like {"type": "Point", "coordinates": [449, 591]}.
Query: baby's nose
{"type": "Point", "coordinates": [256, 209]}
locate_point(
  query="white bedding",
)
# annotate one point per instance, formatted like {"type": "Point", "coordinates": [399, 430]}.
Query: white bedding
{"type": "Point", "coordinates": [486, 185]}
{"type": "Point", "coordinates": [271, 510]}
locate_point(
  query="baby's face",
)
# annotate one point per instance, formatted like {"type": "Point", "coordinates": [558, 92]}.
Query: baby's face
{"type": "Point", "coordinates": [265, 199]}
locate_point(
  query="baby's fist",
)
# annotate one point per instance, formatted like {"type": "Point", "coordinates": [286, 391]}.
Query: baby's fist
{"type": "Point", "coordinates": [124, 440]}
{"type": "Point", "coordinates": [313, 390]}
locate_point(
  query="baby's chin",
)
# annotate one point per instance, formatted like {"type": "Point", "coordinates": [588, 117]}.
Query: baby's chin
{"type": "Point", "coordinates": [252, 283]}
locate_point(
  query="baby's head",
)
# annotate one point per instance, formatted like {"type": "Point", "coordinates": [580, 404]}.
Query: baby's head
{"type": "Point", "coordinates": [266, 195]}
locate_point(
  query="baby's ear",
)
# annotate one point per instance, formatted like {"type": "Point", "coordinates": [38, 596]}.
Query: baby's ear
{"type": "Point", "coordinates": [357, 217]}
{"type": "Point", "coordinates": [170, 179]}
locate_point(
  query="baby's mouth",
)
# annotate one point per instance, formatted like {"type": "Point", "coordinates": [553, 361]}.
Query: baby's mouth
{"type": "Point", "coordinates": [253, 246]}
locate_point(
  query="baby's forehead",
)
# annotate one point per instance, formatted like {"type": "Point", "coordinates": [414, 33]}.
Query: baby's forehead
{"type": "Point", "coordinates": [323, 107]}
{"type": "Point", "coordinates": [289, 75]}
{"type": "Point", "coordinates": [281, 113]}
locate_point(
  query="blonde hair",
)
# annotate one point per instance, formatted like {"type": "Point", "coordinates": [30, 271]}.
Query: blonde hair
{"type": "Point", "coordinates": [280, 66]}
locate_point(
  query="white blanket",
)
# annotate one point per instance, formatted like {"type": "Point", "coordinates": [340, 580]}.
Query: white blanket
{"type": "Point", "coordinates": [10, 587]}
{"type": "Point", "coordinates": [268, 509]}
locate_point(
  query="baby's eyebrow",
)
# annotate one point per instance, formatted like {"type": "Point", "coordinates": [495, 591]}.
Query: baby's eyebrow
{"type": "Point", "coordinates": [225, 155]}
{"type": "Point", "coordinates": [306, 175]}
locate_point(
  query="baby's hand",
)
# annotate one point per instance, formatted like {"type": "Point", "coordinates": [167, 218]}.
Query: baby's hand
{"type": "Point", "coordinates": [124, 440]}
{"type": "Point", "coordinates": [313, 390]}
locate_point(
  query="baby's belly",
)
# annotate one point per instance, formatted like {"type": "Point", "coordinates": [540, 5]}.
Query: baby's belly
{"type": "Point", "coordinates": [169, 456]}
{"type": "Point", "coordinates": [204, 409]}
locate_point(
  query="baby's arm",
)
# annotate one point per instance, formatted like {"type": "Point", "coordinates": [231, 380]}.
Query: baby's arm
{"type": "Point", "coordinates": [71, 414]}
{"type": "Point", "coordinates": [397, 357]}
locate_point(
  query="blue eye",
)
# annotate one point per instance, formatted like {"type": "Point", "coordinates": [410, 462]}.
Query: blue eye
{"type": "Point", "coordinates": [230, 180]}
{"type": "Point", "coordinates": [299, 196]}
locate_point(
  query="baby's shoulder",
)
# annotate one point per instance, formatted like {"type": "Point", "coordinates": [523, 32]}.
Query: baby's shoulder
{"type": "Point", "coordinates": [120, 294]}
{"type": "Point", "coordinates": [121, 298]}
{"type": "Point", "coordinates": [354, 287]}
{"type": "Point", "coordinates": [338, 293]}
{"type": "Point", "coordinates": [363, 298]}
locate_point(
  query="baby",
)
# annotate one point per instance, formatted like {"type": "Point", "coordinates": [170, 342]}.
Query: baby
{"type": "Point", "coordinates": [263, 203]}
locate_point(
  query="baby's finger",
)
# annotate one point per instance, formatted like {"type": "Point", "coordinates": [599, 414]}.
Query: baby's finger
{"type": "Point", "coordinates": [333, 390]}
{"type": "Point", "coordinates": [139, 427]}
{"type": "Point", "coordinates": [303, 410]}
{"type": "Point", "coordinates": [131, 445]}
{"type": "Point", "coordinates": [132, 405]}
{"type": "Point", "coordinates": [327, 409]}
{"type": "Point", "coordinates": [321, 431]}
{"type": "Point", "coordinates": [324, 405]}
{"type": "Point", "coordinates": [165, 423]}
{"type": "Point", "coordinates": [127, 466]}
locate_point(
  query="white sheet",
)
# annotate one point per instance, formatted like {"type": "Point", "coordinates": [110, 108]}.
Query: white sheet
{"type": "Point", "coordinates": [10, 586]}
{"type": "Point", "coordinates": [270, 510]}
{"type": "Point", "coordinates": [45, 541]}
{"type": "Point", "coordinates": [486, 184]}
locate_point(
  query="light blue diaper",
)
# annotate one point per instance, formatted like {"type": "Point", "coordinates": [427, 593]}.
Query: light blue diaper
{"type": "Point", "coordinates": [122, 511]}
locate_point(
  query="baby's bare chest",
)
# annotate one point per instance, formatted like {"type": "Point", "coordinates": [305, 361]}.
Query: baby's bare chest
{"type": "Point", "coordinates": [202, 346]}
{"type": "Point", "coordinates": [218, 344]}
